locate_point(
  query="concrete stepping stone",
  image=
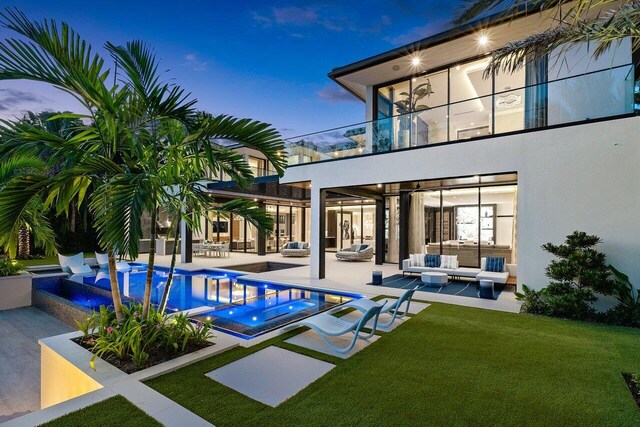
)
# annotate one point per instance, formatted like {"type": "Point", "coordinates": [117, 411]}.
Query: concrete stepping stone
{"type": "Point", "coordinates": [271, 375]}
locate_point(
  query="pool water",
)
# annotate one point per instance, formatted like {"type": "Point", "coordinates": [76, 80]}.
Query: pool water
{"type": "Point", "coordinates": [242, 306]}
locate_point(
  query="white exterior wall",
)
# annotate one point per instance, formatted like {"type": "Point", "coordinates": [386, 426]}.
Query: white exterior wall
{"type": "Point", "coordinates": [583, 177]}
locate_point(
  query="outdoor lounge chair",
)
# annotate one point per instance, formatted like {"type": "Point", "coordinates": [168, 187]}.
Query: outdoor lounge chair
{"type": "Point", "coordinates": [74, 264]}
{"type": "Point", "coordinates": [357, 252]}
{"type": "Point", "coordinates": [365, 304]}
{"type": "Point", "coordinates": [103, 262]}
{"type": "Point", "coordinates": [327, 325]}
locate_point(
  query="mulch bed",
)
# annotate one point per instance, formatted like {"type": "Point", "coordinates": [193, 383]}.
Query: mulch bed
{"type": "Point", "coordinates": [156, 356]}
{"type": "Point", "coordinates": [633, 381]}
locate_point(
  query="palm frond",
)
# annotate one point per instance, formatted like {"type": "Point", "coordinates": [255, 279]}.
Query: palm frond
{"type": "Point", "coordinates": [607, 29]}
{"type": "Point", "coordinates": [249, 133]}
{"type": "Point", "coordinates": [118, 205]}
{"type": "Point", "coordinates": [55, 55]}
{"type": "Point", "coordinates": [16, 197]}
{"type": "Point", "coordinates": [249, 210]}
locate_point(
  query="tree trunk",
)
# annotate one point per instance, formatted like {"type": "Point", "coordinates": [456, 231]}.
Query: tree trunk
{"type": "Point", "coordinates": [115, 289]}
{"type": "Point", "coordinates": [174, 253]}
{"type": "Point", "coordinates": [24, 243]}
{"type": "Point", "coordinates": [146, 302]}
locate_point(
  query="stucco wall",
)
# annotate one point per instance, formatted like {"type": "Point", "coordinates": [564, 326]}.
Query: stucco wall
{"type": "Point", "coordinates": [582, 177]}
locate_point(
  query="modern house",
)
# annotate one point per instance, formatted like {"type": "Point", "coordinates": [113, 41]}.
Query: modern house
{"type": "Point", "coordinates": [451, 161]}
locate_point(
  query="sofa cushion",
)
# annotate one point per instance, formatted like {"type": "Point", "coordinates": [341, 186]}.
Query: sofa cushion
{"type": "Point", "coordinates": [449, 261]}
{"type": "Point", "coordinates": [494, 264]}
{"type": "Point", "coordinates": [432, 260]}
{"type": "Point", "coordinates": [496, 277]}
{"type": "Point", "coordinates": [293, 245]}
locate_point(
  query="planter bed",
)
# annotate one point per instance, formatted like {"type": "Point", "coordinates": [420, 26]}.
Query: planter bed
{"type": "Point", "coordinates": [156, 356]}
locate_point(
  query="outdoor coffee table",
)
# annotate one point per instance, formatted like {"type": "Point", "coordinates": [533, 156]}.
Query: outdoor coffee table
{"type": "Point", "coordinates": [434, 279]}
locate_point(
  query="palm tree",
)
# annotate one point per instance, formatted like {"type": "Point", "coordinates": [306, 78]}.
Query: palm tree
{"type": "Point", "coordinates": [122, 154]}
{"type": "Point", "coordinates": [190, 157]}
{"type": "Point", "coordinates": [605, 22]}
{"type": "Point", "coordinates": [32, 220]}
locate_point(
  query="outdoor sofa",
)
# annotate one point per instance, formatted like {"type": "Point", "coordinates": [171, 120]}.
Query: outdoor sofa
{"type": "Point", "coordinates": [296, 249]}
{"type": "Point", "coordinates": [416, 264]}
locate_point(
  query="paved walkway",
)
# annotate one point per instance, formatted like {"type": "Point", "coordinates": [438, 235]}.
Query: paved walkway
{"type": "Point", "coordinates": [20, 330]}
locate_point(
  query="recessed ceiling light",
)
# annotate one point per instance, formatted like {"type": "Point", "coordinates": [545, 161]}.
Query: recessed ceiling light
{"type": "Point", "coordinates": [379, 185]}
{"type": "Point", "coordinates": [416, 61]}
{"type": "Point", "coordinates": [483, 40]}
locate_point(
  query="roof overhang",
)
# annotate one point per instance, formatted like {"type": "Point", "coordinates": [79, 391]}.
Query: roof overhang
{"type": "Point", "coordinates": [441, 49]}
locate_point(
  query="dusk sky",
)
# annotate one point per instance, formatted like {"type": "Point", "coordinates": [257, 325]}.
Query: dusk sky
{"type": "Point", "coordinates": [264, 60]}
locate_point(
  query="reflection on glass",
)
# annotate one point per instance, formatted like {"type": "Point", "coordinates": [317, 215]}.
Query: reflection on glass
{"type": "Point", "coordinates": [470, 119]}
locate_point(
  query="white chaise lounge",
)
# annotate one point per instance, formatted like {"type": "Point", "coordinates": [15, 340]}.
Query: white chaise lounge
{"type": "Point", "coordinates": [103, 262]}
{"type": "Point", "coordinates": [74, 264]}
{"type": "Point", "coordinates": [413, 265]}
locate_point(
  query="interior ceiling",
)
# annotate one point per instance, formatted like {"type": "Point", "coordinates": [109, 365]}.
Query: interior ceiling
{"type": "Point", "coordinates": [443, 54]}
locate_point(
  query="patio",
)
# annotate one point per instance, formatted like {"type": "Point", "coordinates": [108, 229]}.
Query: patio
{"type": "Point", "coordinates": [21, 329]}
{"type": "Point", "coordinates": [350, 277]}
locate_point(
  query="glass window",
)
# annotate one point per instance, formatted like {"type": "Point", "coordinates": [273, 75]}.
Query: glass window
{"type": "Point", "coordinates": [467, 81]}
{"type": "Point", "coordinates": [429, 91]}
{"type": "Point", "coordinates": [461, 225]}
{"type": "Point", "coordinates": [498, 222]}
{"type": "Point", "coordinates": [470, 119]}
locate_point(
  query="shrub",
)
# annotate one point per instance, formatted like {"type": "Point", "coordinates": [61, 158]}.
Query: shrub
{"type": "Point", "coordinates": [578, 271]}
{"type": "Point", "coordinates": [135, 339]}
{"type": "Point", "coordinates": [9, 267]}
{"type": "Point", "coordinates": [627, 312]}
{"type": "Point", "coordinates": [532, 301]}
{"type": "Point", "coordinates": [580, 265]}
{"type": "Point", "coordinates": [564, 300]}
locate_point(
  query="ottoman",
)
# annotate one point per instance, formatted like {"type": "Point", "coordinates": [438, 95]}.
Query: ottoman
{"type": "Point", "coordinates": [433, 279]}
{"type": "Point", "coordinates": [376, 277]}
{"type": "Point", "coordinates": [486, 289]}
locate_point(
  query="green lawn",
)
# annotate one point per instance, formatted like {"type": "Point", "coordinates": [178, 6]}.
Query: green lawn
{"type": "Point", "coordinates": [111, 412]}
{"type": "Point", "coordinates": [449, 365]}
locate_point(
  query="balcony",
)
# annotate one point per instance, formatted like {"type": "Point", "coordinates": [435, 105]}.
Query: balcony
{"type": "Point", "coordinates": [589, 96]}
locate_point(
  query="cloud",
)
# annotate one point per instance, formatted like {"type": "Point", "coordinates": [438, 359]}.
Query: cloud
{"type": "Point", "coordinates": [193, 62]}
{"type": "Point", "coordinates": [329, 18]}
{"type": "Point", "coordinates": [12, 99]}
{"type": "Point", "coordinates": [420, 32]}
{"type": "Point", "coordinates": [294, 15]}
{"type": "Point", "coordinates": [335, 94]}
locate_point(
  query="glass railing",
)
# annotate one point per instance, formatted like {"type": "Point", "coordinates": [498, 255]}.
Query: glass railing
{"type": "Point", "coordinates": [589, 96]}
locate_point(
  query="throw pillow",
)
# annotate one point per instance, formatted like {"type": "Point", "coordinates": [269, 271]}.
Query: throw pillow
{"type": "Point", "coordinates": [444, 261]}
{"type": "Point", "coordinates": [432, 260]}
{"type": "Point", "coordinates": [293, 245]}
{"type": "Point", "coordinates": [453, 261]}
{"type": "Point", "coordinates": [495, 264]}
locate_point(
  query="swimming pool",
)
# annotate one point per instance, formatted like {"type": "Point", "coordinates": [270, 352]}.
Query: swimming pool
{"type": "Point", "coordinates": [238, 305]}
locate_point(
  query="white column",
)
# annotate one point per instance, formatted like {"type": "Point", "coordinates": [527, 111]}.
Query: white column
{"type": "Point", "coordinates": [183, 242]}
